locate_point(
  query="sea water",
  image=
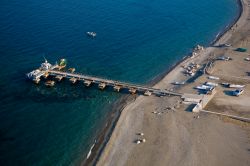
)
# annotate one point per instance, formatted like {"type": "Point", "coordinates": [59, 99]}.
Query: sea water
{"type": "Point", "coordinates": [136, 41]}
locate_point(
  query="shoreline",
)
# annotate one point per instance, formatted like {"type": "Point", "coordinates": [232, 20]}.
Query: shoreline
{"type": "Point", "coordinates": [117, 108]}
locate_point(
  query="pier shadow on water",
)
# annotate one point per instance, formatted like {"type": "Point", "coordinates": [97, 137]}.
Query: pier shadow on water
{"type": "Point", "coordinates": [62, 92]}
{"type": "Point", "coordinates": [66, 92]}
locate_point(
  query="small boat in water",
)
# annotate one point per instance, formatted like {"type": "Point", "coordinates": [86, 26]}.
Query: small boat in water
{"type": "Point", "coordinates": [91, 34]}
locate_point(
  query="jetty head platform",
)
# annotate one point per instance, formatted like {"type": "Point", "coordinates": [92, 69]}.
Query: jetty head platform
{"type": "Point", "coordinates": [55, 71]}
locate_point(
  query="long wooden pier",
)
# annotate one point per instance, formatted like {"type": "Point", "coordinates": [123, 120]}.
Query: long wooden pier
{"type": "Point", "coordinates": [112, 83]}
{"type": "Point", "coordinates": [46, 69]}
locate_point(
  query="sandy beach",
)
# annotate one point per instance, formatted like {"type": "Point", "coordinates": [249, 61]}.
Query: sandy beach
{"type": "Point", "coordinates": [175, 136]}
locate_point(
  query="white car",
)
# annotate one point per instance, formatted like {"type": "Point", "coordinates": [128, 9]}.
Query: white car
{"type": "Point", "coordinates": [238, 92]}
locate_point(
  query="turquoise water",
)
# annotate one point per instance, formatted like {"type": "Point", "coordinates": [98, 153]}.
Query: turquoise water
{"type": "Point", "coordinates": [136, 40]}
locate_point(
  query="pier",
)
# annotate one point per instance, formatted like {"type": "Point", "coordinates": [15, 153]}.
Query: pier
{"type": "Point", "coordinates": [47, 69]}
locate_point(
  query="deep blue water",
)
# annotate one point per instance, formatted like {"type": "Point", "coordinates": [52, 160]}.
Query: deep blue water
{"type": "Point", "coordinates": [136, 40]}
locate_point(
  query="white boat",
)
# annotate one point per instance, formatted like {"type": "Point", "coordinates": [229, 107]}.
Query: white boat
{"type": "Point", "coordinates": [236, 86]}
{"type": "Point", "coordinates": [204, 87]}
{"type": "Point", "coordinates": [225, 84]}
{"type": "Point", "coordinates": [213, 78]}
{"type": "Point", "coordinates": [211, 84]}
{"type": "Point", "coordinates": [225, 45]}
{"type": "Point", "coordinates": [91, 34]}
{"type": "Point", "coordinates": [179, 83]}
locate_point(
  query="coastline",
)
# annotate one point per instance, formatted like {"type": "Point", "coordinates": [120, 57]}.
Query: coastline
{"type": "Point", "coordinates": [118, 107]}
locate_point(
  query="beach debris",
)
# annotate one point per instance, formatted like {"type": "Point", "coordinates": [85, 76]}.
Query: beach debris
{"type": "Point", "coordinates": [168, 108]}
{"type": "Point", "coordinates": [157, 113]}
{"type": "Point", "coordinates": [191, 69]}
{"type": "Point", "coordinates": [196, 117]}
{"type": "Point", "coordinates": [138, 141]}
{"type": "Point", "coordinates": [194, 54]}
{"type": "Point", "coordinates": [197, 49]}
{"type": "Point", "coordinates": [141, 134]}
{"type": "Point", "coordinates": [247, 59]}
{"type": "Point", "coordinates": [213, 78]}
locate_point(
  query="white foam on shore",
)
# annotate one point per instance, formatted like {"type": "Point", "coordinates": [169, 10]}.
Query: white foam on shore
{"type": "Point", "coordinates": [90, 150]}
